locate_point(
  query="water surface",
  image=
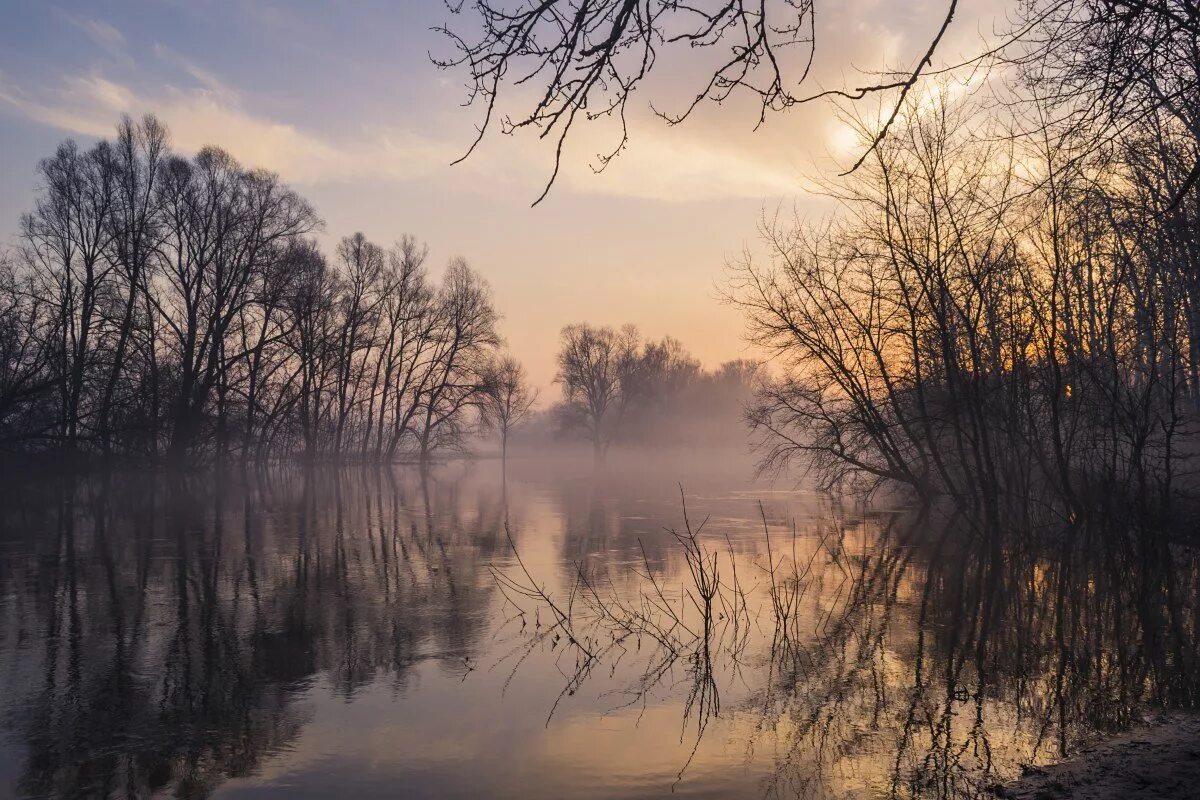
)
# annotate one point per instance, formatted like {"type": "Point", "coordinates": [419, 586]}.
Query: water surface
{"type": "Point", "coordinates": [347, 632]}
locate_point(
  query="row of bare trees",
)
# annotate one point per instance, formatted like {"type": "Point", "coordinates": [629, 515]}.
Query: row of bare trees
{"type": "Point", "coordinates": [161, 305]}
{"type": "Point", "coordinates": [617, 386]}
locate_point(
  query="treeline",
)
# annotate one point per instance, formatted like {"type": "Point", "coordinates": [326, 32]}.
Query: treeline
{"type": "Point", "coordinates": [159, 306]}
{"type": "Point", "coordinates": [618, 387]}
{"type": "Point", "coordinates": [162, 305]}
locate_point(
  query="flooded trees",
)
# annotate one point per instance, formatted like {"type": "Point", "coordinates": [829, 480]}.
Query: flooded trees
{"type": "Point", "coordinates": [464, 337]}
{"type": "Point", "coordinates": [996, 324]}
{"type": "Point", "coordinates": [592, 365]}
{"type": "Point", "coordinates": [168, 304]}
{"type": "Point", "coordinates": [389, 363]}
{"type": "Point", "coordinates": [618, 387]}
{"type": "Point", "coordinates": [508, 397]}
{"type": "Point", "coordinates": [225, 226]}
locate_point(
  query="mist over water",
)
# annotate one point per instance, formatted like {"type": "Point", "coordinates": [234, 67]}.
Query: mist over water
{"type": "Point", "coordinates": [290, 632]}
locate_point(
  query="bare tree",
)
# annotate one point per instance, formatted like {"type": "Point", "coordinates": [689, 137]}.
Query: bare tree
{"type": "Point", "coordinates": [66, 240]}
{"type": "Point", "coordinates": [140, 151]}
{"type": "Point", "coordinates": [591, 364]}
{"type": "Point", "coordinates": [1111, 66]}
{"type": "Point", "coordinates": [409, 343]}
{"type": "Point", "coordinates": [508, 398]}
{"type": "Point", "coordinates": [585, 59]}
{"type": "Point", "coordinates": [27, 339]}
{"type": "Point", "coordinates": [225, 226]}
{"type": "Point", "coordinates": [465, 337]}
{"type": "Point", "coordinates": [362, 265]}
{"type": "Point", "coordinates": [311, 306]}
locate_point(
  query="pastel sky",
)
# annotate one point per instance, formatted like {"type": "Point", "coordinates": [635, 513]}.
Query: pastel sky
{"type": "Point", "coordinates": [341, 99]}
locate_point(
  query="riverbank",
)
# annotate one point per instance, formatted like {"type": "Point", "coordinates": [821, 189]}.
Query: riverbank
{"type": "Point", "coordinates": [1160, 761]}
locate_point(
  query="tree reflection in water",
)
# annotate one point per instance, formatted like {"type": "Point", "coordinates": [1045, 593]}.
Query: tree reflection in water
{"type": "Point", "coordinates": [165, 636]}
{"type": "Point", "coordinates": [1020, 650]}
{"type": "Point", "coordinates": [174, 654]}
{"type": "Point", "coordinates": [919, 662]}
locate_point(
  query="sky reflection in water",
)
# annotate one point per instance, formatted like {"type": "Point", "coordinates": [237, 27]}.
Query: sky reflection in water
{"type": "Point", "coordinates": [341, 633]}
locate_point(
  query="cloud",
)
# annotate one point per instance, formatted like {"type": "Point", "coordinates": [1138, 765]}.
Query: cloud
{"type": "Point", "coordinates": [711, 158]}
{"type": "Point", "coordinates": [90, 105]}
{"type": "Point", "coordinates": [669, 164]}
{"type": "Point", "coordinates": [83, 102]}
{"type": "Point", "coordinates": [661, 165]}
{"type": "Point", "coordinates": [206, 79]}
{"type": "Point", "coordinates": [103, 35]}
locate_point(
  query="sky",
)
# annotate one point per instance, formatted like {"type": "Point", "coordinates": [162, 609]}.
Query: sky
{"type": "Point", "coordinates": [342, 100]}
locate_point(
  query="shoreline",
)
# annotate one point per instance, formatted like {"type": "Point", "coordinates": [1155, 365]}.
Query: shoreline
{"type": "Point", "coordinates": [1159, 760]}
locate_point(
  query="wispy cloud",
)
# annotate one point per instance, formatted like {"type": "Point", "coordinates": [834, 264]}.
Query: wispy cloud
{"type": "Point", "coordinates": [103, 35]}
{"type": "Point", "coordinates": [90, 104]}
{"type": "Point", "coordinates": [86, 105]}
{"type": "Point", "coordinates": [668, 164]}
{"type": "Point", "coordinates": [204, 77]}
{"type": "Point", "coordinates": [666, 167]}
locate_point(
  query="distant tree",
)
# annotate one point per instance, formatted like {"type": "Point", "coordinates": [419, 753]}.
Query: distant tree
{"type": "Point", "coordinates": [508, 398]}
{"type": "Point", "coordinates": [660, 371]}
{"type": "Point", "coordinates": [617, 387]}
{"type": "Point", "coordinates": [592, 363]}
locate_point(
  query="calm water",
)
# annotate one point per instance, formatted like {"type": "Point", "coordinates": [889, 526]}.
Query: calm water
{"type": "Point", "coordinates": [362, 633]}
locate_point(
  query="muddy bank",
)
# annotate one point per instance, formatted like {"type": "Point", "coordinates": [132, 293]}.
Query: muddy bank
{"type": "Point", "coordinates": [1160, 761]}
